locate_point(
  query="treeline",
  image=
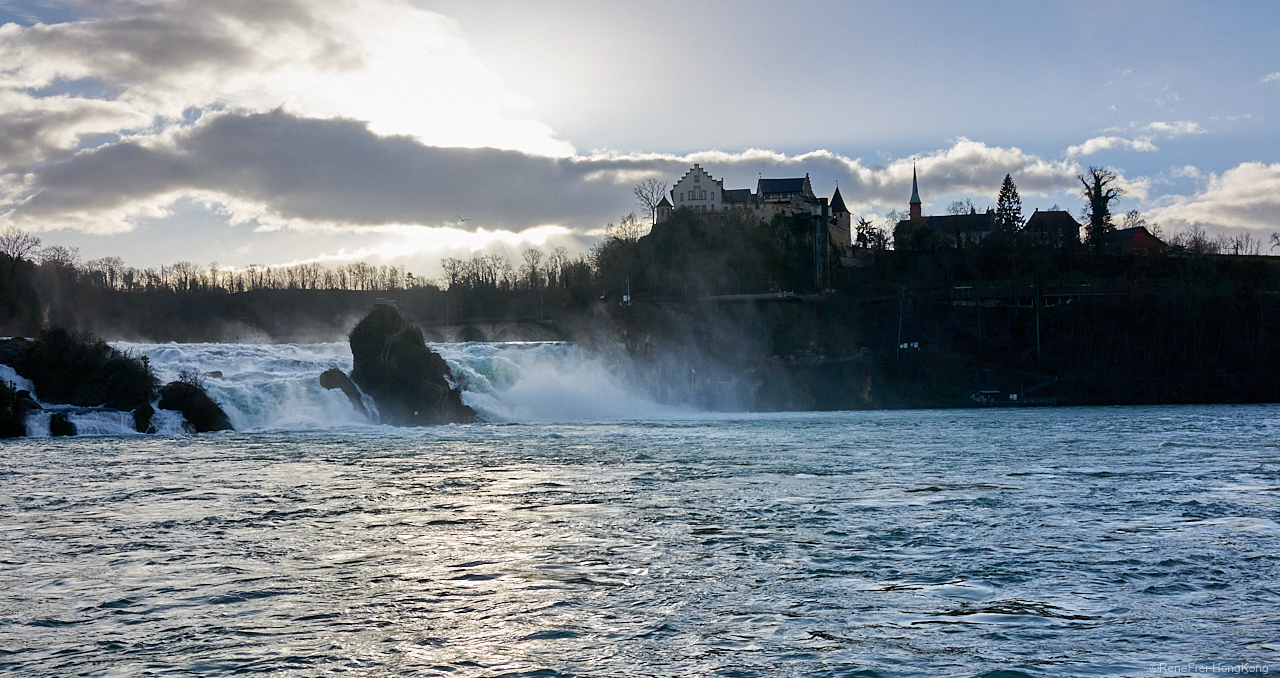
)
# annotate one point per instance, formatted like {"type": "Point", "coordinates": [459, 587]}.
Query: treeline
{"type": "Point", "coordinates": [184, 276]}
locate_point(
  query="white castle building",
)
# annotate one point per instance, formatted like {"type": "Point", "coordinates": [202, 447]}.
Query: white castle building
{"type": "Point", "coordinates": [700, 192]}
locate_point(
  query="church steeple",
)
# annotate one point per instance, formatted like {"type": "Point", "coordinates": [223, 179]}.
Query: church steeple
{"type": "Point", "coordinates": [916, 214]}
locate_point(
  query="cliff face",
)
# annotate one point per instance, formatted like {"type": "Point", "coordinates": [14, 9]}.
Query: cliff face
{"type": "Point", "coordinates": [410, 383]}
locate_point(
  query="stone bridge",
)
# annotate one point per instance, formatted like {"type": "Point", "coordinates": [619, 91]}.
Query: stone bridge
{"type": "Point", "coordinates": [490, 330]}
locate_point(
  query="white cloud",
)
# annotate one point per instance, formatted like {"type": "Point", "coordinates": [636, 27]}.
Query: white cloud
{"type": "Point", "coordinates": [1143, 139]}
{"type": "Point", "coordinates": [1170, 130]}
{"type": "Point", "coordinates": [1096, 144]}
{"type": "Point", "coordinates": [1246, 196]}
{"type": "Point", "coordinates": [133, 65]}
{"type": "Point", "coordinates": [1274, 77]}
{"type": "Point", "coordinates": [1185, 172]}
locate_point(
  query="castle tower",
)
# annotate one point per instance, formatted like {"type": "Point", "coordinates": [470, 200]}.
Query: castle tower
{"type": "Point", "coordinates": [916, 214]}
{"type": "Point", "coordinates": [840, 224]}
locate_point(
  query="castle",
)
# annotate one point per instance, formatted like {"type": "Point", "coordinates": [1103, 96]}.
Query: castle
{"type": "Point", "coordinates": [699, 191]}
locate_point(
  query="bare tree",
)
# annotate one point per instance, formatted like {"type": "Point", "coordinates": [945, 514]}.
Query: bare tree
{"type": "Point", "coordinates": [18, 244]}
{"type": "Point", "coordinates": [1243, 244]}
{"type": "Point", "coordinates": [109, 270]}
{"type": "Point", "coordinates": [531, 270]}
{"type": "Point", "coordinates": [1195, 241]}
{"type": "Point", "coordinates": [958, 207]}
{"type": "Point", "coordinates": [452, 271]}
{"type": "Point", "coordinates": [649, 194]}
{"type": "Point", "coordinates": [57, 255]}
{"type": "Point", "coordinates": [1099, 192]}
{"type": "Point", "coordinates": [628, 229]}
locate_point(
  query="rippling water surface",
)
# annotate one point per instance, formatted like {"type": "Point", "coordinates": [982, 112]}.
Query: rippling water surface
{"type": "Point", "coordinates": [1075, 541]}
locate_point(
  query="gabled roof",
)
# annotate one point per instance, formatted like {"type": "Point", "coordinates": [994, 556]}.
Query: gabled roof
{"type": "Point", "coordinates": [664, 202]}
{"type": "Point", "coordinates": [1130, 233]}
{"type": "Point", "coordinates": [781, 185]}
{"type": "Point", "coordinates": [737, 195]}
{"type": "Point", "coordinates": [837, 203]}
{"type": "Point", "coordinates": [1051, 219]}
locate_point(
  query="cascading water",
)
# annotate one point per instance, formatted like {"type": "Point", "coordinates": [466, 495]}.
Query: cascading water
{"type": "Point", "coordinates": [19, 383]}
{"type": "Point", "coordinates": [277, 386]}
{"type": "Point", "coordinates": [97, 422]}
{"type": "Point", "coordinates": [261, 386]}
{"type": "Point", "coordinates": [545, 382]}
{"type": "Point", "coordinates": [87, 420]}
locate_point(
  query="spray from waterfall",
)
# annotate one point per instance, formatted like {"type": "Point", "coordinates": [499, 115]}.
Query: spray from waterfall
{"type": "Point", "coordinates": [277, 386]}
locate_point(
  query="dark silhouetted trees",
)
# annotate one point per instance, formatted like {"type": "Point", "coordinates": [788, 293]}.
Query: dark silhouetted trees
{"type": "Point", "coordinates": [1100, 190]}
{"type": "Point", "coordinates": [1008, 219]}
{"type": "Point", "coordinates": [649, 194]}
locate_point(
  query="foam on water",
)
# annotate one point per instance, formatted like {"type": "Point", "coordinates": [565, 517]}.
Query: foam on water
{"type": "Point", "coordinates": [544, 382]}
{"type": "Point", "coordinates": [92, 422]}
{"type": "Point", "coordinates": [20, 383]}
{"type": "Point", "coordinates": [277, 386]}
{"type": "Point", "coordinates": [262, 386]}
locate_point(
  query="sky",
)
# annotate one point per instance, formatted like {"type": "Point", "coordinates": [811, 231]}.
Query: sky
{"type": "Point", "coordinates": [400, 132]}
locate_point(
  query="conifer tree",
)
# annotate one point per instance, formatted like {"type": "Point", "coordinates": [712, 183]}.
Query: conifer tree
{"type": "Point", "coordinates": [1008, 209]}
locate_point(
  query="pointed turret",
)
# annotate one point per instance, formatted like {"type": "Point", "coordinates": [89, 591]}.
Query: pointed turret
{"type": "Point", "coordinates": [916, 214]}
{"type": "Point", "coordinates": [837, 203]}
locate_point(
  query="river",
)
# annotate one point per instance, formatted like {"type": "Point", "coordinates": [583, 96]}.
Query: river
{"type": "Point", "coordinates": [587, 531]}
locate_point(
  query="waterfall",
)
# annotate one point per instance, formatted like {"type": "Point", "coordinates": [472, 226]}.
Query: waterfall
{"type": "Point", "coordinates": [96, 422]}
{"type": "Point", "coordinates": [277, 386]}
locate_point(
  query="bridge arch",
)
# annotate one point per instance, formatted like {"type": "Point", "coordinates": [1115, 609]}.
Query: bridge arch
{"type": "Point", "coordinates": [514, 332]}
{"type": "Point", "coordinates": [471, 333]}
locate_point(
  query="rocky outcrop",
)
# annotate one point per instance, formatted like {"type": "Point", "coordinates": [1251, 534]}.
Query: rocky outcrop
{"type": "Point", "coordinates": [78, 369]}
{"type": "Point", "coordinates": [196, 406]}
{"type": "Point", "coordinates": [60, 425]}
{"type": "Point", "coordinates": [142, 418]}
{"type": "Point", "coordinates": [411, 383]}
{"type": "Point", "coordinates": [336, 379]}
{"type": "Point", "coordinates": [13, 409]}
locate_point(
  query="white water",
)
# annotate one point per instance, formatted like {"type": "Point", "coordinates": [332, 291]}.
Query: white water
{"type": "Point", "coordinates": [8, 376]}
{"type": "Point", "coordinates": [90, 422]}
{"type": "Point", "coordinates": [543, 382]}
{"type": "Point", "coordinates": [277, 386]}
{"type": "Point", "coordinates": [87, 421]}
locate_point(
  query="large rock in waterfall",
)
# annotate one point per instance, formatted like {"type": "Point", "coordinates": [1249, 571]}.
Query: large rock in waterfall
{"type": "Point", "coordinates": [336, 379]}
{"type": "Point", "coordinates": [411, 383]}
{"type": "Point", "coordinates": [187, 395]}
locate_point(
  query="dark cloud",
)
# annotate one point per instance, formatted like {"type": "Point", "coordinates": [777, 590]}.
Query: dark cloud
{"type": "Point", "coordinates": [338, 172]}
{"type": "Point", "coordinates": [132, 42]}
{"type": "Point", "coordinates": [334, 171]}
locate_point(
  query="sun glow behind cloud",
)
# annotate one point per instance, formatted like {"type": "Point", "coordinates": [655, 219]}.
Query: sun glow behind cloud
{"type": "Point", "coordinates": [140, 68]}
{"type": "Point", "coordinates": [419, 242]}
{"type": "Point", "coordinates": [341, 129]}
{"type": "Point", "coordinates": [404, 71]}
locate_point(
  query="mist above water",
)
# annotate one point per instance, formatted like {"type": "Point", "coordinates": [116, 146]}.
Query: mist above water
{"type": "Point", "coordinates": [277, 386]}
{"type": "Point", "coordinates": [545, 382]}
